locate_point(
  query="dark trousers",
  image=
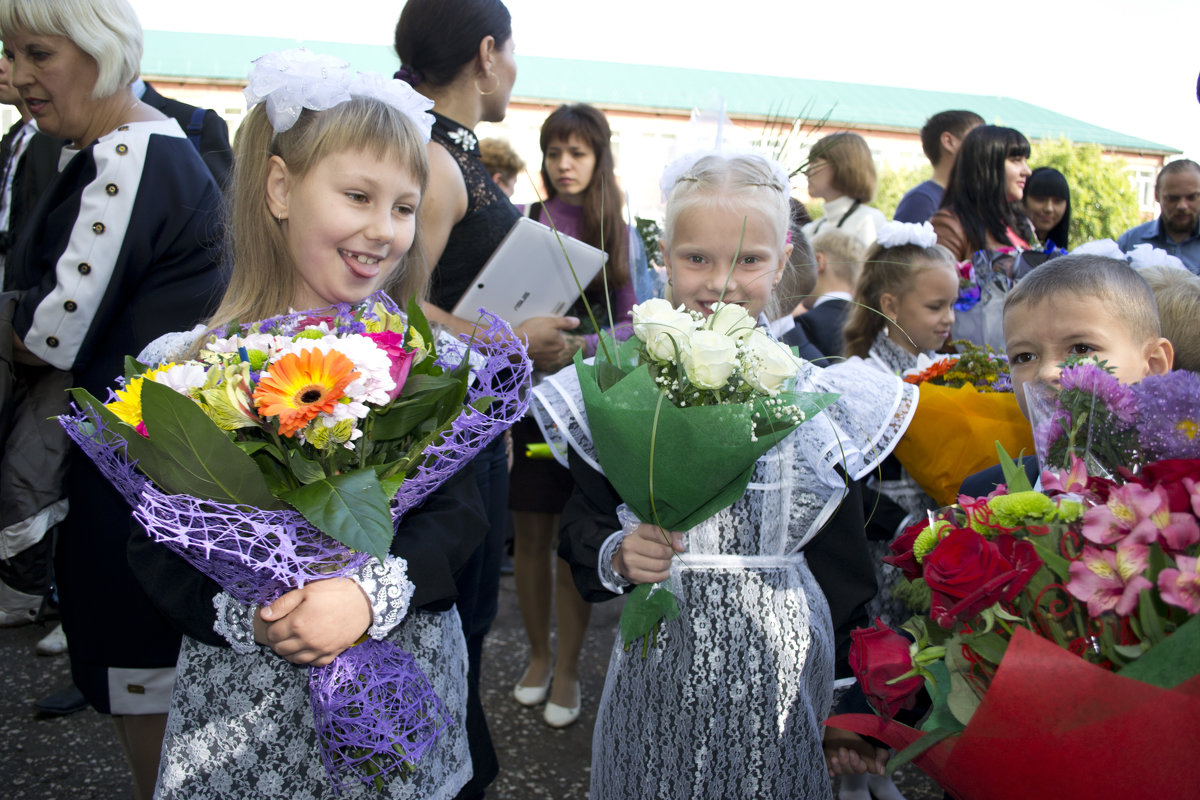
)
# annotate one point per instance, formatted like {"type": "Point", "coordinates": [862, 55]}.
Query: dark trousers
{"type": "Point", "coordinates": [478, 587]}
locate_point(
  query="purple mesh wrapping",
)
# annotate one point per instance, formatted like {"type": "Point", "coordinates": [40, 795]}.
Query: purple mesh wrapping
{"type": "Point", "coordinates": [374, 690]}
{"type": "Point", "coordinates": [370, 700]}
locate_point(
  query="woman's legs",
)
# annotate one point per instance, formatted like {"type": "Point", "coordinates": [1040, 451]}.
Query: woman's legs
{"type": "Point", "coordinates": [141, 738]}
{"type": "Point", "coordinates": [572, 613]}
{"type": "Point", "coordinates": [533, 538]}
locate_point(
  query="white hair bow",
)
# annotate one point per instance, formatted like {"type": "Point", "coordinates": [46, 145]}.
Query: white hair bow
{"type": "Point", "coordinates": [898, 234]}
{"type": "Point", "coordinates": [289, 81]}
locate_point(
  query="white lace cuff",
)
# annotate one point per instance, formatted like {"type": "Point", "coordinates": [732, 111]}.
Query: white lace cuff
{"type": "Point", "coordinates": [609, 577]}
{"type": "Point", "coordinates": [388, 588]}
{"type": "Point", "coordinates": [235, 622]}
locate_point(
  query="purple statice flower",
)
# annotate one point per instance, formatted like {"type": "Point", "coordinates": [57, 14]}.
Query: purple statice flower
{"type": "Point", "coordinates": [1169, 415]}
{"type": "Point", "coordinates": [1003, 383]}
{"type": "Point", "coordinates": [1092, 379]}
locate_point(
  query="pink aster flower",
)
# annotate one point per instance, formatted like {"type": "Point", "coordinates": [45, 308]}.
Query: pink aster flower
{"type": "Point", "coordinates": [1127, 506]}
{"type": "Point", "coordinates": [1181, 587]}
{"type": "Point", "coordinates": [1109, 580]}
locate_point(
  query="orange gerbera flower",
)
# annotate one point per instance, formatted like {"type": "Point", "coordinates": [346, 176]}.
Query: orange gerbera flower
{"type": "Point", "coordinates": [935, 370]}
{"type": "Point", "coordinates": [297, 388]}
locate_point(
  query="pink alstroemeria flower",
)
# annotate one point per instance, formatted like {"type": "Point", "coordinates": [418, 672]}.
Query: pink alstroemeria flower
{"type": "Point", "coordinates": [1073, 480]}
{"type": "Point", "coordinates": [1127, 506]}
{"type": "Point", "coordinates": [393, 344]}
{"type": "Point", "coordinates": [1194, 491]}
{"type": "Point", "coordinates": [1181, 587]}
{"type": "Point", "coordinates": [1109, 580]}
{"type": "Point", "coordinates": [1175, 531]}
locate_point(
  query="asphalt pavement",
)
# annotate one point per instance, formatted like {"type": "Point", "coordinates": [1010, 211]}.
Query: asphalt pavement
{"type": "Point", "coordinates": [77, 757]}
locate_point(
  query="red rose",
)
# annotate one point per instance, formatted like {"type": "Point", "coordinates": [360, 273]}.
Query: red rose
{"type": "Point", "coordinates": [902, 551]}
{"type": "Point", "coordinates": [1169, 474]}
{"type": "Point", "coordinates": [393, 344]}
{"type": "Point", "coordinates": [967, 573]}
{"type": "Point", "coordinates": [878, 655]}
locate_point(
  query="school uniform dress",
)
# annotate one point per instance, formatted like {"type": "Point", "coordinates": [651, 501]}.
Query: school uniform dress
{"type": "Point", "coordinates": [729, 702]}
{"type": "Point", "coordinates": [122, 247]}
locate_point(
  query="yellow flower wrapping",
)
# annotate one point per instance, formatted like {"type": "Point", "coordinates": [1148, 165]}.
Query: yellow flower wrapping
{"type": "Point", "coordinates": [954, 434]}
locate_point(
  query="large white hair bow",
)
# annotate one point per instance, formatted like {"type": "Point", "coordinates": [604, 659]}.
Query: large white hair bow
{"type": "Point", "coordinates": [289, 81]}
{"type": "Point", "coordinates": [898, 234]}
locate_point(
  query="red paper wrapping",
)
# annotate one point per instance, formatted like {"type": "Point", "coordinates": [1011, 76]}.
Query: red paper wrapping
{"type": "Point", "coordinates": [1052, 725]}
{"type": "Point", "coordinates": [954, 434]}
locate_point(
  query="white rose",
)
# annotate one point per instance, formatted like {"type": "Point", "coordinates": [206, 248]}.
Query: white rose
{"type": "Point", "coordinates": [662, 328]}
{"type": "Point", "coordinates": [730, 319]}
{"type": "Point", "coordinates": [710, 359]}
{"type": "Point", "coordinates": [768, 364]}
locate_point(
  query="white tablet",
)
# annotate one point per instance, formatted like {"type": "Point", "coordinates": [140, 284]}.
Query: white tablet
{"type": "Point", "coordinates": [528, 275]}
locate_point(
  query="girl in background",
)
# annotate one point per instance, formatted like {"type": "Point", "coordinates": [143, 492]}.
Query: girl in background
{"type": "Point", "coordinates": [1047, 201]}
{"type": "Point", "coordinates": [842, 173]}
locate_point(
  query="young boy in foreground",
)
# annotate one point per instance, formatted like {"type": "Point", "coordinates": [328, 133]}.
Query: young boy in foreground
{"type": "Point", "coordinates": [1077, 305]}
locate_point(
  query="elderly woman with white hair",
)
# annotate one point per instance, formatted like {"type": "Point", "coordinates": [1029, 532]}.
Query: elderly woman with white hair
{"type": "Point", "coordinates": [122, 248]}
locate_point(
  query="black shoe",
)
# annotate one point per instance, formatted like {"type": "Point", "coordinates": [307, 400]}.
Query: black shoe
{"type": "Point", "coordinates": [63, 702]}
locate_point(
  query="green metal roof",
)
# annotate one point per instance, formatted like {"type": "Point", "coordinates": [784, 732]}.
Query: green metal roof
{"type": "Point", "coordinates": [227, 57]}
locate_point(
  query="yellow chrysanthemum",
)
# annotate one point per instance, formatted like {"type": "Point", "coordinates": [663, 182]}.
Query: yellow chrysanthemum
{"type": "Point", "coordinates": [297, 388]}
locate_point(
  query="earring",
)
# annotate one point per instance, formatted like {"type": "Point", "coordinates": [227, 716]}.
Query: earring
{"type": "Point", "coordinates": [491, 91]}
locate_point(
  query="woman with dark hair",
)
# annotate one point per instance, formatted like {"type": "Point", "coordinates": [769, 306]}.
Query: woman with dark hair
{"type": "Point", "coordinates": [582, 201]}
{"type": "Point", "coordinates": [459, 53]}
{"type": "Point", "coordinates": [981, 209]}
{"type": "Point", "coordinates": [1048, 204]}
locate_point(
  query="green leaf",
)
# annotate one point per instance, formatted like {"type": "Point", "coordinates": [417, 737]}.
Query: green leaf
{"type": "Point", "coordinates": [991, 646]}
{"type": "Point", "coordinates": [305, 469]}
{"type": "Point", "coordinates": [1014, 474]}
{"type": "Point", "coordinates": [350, 507]}
{"type": "Point", "coordinates": [137, 447]}
{"type": "Point", "coordinates": [133, 368]}
{"type": "Point", "coordinates": [1171, 661]}
{"type": "Point", "coordinates": [391, 485]}
{"type": "Point", "coordinates": [191, 455]}
{"type": "Point", "coordinates": [937, 684]}
{"type": "Point", "coordinates": [918, 747]}
{"type": "Point", "coordinates": [961, 700]}
{"type": "Point", "coordinates": [251, 447]}
{"type": "Point", "coordinates": [646, 606]}
{"type": "Point", "coordinates": [607, 374]}
{"type": "Point", "coordinates": [417, 321]}
{"type": "Point", "coordinates": [1148, 616]}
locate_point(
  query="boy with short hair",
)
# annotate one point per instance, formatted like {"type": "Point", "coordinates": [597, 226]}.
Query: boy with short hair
{"type": "Point", "coordinates": [940, 137]}
{"type": "Point", "coordinates": [839, 259]}
{"type": "Point", "coordinates": [1177, 292]}
{"type": "Point", "coordinates": [1077, 305]}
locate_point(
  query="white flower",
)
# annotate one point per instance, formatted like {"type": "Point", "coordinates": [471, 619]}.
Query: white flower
{"type": "Point", "coordinates": [1147, 255]}
{"type": "Point", "coordinates": [662, 328]}
{"type": "Point", "coordinates": [768, 365]}
{"type": "Point", "coordinates": [182, 377]}
{"type": "Point", "coordinates": [897, 234]}
{"type": "Point", "coordinates": [710, 359]}
{"type": "Point", "coordinates": [731, 319]}
{"type": "Point", "coordinates": [1101, 247]}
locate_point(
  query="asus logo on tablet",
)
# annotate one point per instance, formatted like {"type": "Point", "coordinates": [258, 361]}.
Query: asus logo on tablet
{"type": "Point", "coordinates": [521, 302]}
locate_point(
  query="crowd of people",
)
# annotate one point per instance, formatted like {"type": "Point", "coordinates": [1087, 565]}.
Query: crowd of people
{"type": "Point", "coordinates": [132, 227]}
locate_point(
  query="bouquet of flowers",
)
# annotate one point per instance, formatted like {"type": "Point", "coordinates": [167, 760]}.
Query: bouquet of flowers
{"type": "Point", "coordinates": [1062, 623]}
{"type": "Point", "coordinates": [287, 451]}
{"type": "Point", "coordinates": [713, 393]}
{"type": "Point", "coordinates": [966, 405]}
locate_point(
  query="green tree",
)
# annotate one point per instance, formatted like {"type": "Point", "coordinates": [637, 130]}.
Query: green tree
{"type": "Point", "coordinates": [893, 183]}
{"type": "Point", "coordinates": [1103, 201]}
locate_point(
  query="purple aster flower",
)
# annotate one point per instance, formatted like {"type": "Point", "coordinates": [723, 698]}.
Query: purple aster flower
{"type": "Point", "coordinates": [1169, 415]}
{"type": "Point", "coordinates": [1091, 379]}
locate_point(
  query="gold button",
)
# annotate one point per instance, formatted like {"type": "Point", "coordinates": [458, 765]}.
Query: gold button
{"type": "Point", "coordinates": [97, 227]}
{"type": "Point", "coordinates": [122, 149]}
{"type": "Point", "coordinates": [85, 268]}
{"type": "Point", "coordinates": [70, 305]}
{"type": "Point", "coordinates": [51, 341]}
{"type": "Point", "coordinates": [111, 189]}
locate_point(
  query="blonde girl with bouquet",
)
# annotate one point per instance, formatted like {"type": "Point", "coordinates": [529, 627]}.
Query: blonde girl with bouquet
{"type": "Point", "coordinates": [329, 175]}
{"type": "Point", "coordinates": [728, 701]}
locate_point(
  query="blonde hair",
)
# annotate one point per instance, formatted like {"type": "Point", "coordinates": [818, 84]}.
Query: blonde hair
{"type": "Point", "coordinates": [263, 278]}
{"type": "Point", "coordinates": [849, 156]}
{"type": "Point", "coordinates": [1177, 293]}
{"type": "Point", "coordinates": [499, 157]}
{"type": "Point", "coordinates": [107, 30]}
{"type": "Point", "coordinates": [733, 182]}
{"type": "Point", "coordinates": [888, 270]}
{"type": "Point", "coordinates": [843, 253]}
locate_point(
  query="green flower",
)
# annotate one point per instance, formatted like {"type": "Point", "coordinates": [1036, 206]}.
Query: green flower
{"type": "Point", "coordinates": [927, 539]}
{"type": "Point", "coordinates": [1015, 510]}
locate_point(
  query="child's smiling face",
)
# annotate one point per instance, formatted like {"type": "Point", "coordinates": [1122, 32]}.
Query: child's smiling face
{"type": "Point", "coordinates": [699, 258]}
{"type": "Point", "coordinates": [1040, 335]}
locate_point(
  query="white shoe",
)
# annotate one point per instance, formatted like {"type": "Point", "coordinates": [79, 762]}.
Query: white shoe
{"type": "Point", "coordinates": [557, 716]}
{"type": "Point", "coordinates": [531, 695]}
{"type": "Point", "coordinates": [53, 643]}
{"type": "Point", "coordinates": [17, 608]}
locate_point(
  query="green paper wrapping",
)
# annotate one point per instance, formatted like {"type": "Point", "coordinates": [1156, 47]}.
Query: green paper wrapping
{"type": "Point", "coordinates": [702, 456]}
